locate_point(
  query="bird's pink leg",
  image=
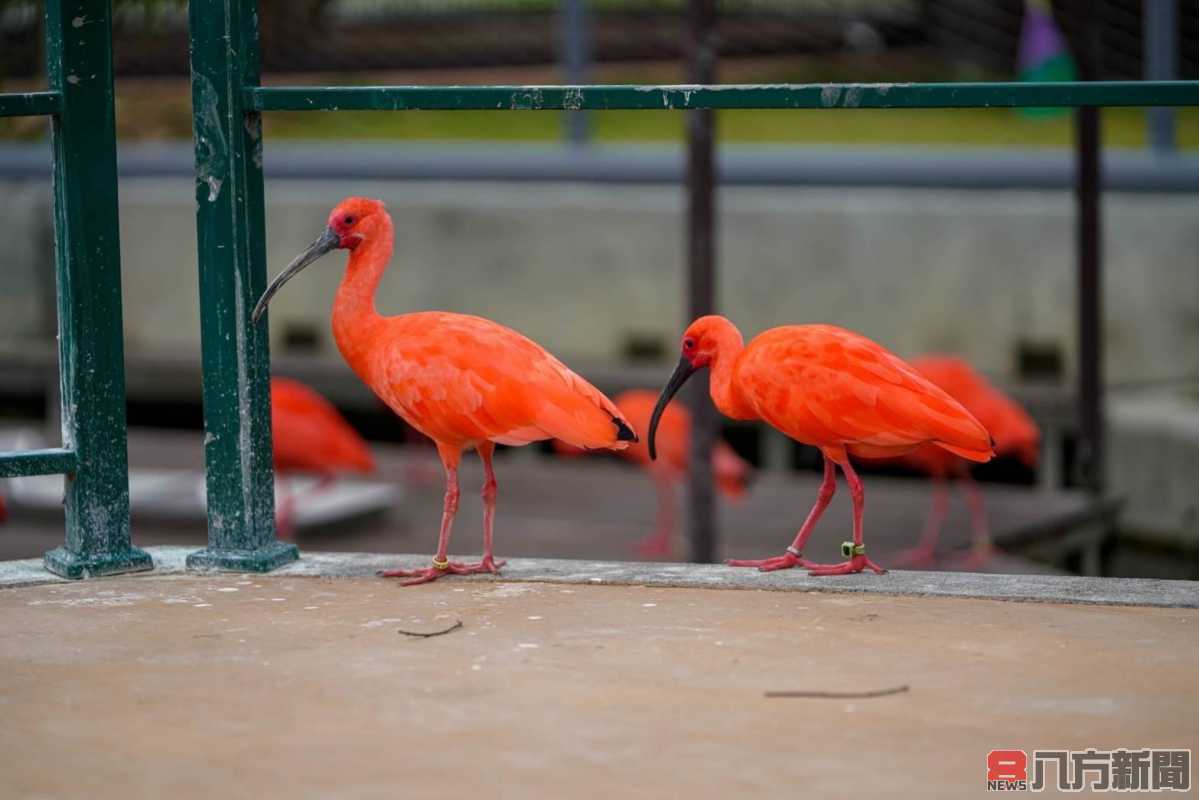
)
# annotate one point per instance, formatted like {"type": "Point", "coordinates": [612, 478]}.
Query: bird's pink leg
{"type": "Point", "coordinates": [657, 544]}
{"type": "Point", "coordinates": [794, 555]}
{"type": "Point", "coordinates": [983, 550]}
{"type": "Point", "coordinates": [284, 526]}
{"type": "Point", "coordinates": [285, 520]}
{"type": "Point", "coordinates": [490, 488]}
{"type": "Point", "coordinates": [441, 562]}
{"type": "Point", "coordinates": [924, 554]}
{"type": "Point", "coordinates": [857, 550]}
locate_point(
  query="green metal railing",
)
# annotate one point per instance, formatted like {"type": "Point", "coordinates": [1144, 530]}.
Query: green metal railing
{"type": "Point", "coordinates": [93, 457]}
{"type": "Point", "coordinates": [229, 190]}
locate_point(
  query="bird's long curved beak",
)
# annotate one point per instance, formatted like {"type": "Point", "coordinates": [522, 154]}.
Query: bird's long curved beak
{"type": "Point", "coordinates": [681, 373]}
{"type": "Point", "coordinates": [329, 240]}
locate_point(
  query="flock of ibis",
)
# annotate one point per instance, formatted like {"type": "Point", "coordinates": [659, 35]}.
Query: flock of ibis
{"type": "Point", "coordinates": [470, 383]}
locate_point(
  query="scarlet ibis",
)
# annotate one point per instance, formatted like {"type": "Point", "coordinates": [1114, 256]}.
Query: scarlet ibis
{"type": "Point", "coordinates": [832, 388]}
{"type": "Point", "coordinates": [463, 381]}
{"type": "Point", "coordinates": [310, 436]}
{"type": "Point", "coordinates": [731, 472]}
{"type": "Point", "coordinates": [1015, 434]}
{"type": "Point", "coordinates": [3, 509]}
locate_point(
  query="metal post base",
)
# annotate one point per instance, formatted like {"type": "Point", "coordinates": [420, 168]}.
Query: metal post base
{"type": "Point", "coordinates": [66, 564]}
{"type": "Point", "coordinates": [262, 559]}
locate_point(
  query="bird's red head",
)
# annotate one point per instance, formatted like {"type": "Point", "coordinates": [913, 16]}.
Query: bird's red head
{"type": "Point", "coordinates": [354, 221]}
{"type": "Point", "coordinates": [704, 338]}
{"type": "Point", "coordinates": [701, 345]}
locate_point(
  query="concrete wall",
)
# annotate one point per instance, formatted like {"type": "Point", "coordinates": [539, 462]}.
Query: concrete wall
{"type": "Point", "coordinates": [583, 267]}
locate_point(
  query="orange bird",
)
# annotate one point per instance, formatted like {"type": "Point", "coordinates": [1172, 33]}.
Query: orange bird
{"type": "Point", "coordinates": [731, 472]}
{"type": "Point", "coordinates": [463, 381]}
{"type": "Point", "coordinates": [1015, 434]}
{"type": "Point", "coordinates": [309, 436]}
{"type": "Point", "coordinates": [832, 388]}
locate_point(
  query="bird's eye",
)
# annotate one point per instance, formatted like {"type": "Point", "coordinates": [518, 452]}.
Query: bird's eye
{"type": "Point", "coordinates": [348, 219]}
{"type": "Point", "coordinates": [688, 344]}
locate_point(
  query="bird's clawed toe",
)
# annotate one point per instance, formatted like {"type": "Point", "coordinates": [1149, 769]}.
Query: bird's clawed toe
{"type": "Point", "coordinates": [785, 561]}
{"type": "Point", "coordinates": [653, 547]}
{"type": "Point", "coordinates": [977, 558]}
{"type": "Point", "coordinates": [922, 557]}
{"type": "Point", "coordinates": [429, 574]}
{"type": "Point", "coordinates": [488, 564]}
{"type": "Point", "coordinates": [852, 566]}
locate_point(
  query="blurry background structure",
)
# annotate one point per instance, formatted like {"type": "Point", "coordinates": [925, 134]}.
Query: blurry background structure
{"type": "Point", "coordinates": [927, 230]}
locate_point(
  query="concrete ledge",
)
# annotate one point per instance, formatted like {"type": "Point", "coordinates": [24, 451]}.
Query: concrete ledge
{"type": "Point", "coordinates": [1025, 588]}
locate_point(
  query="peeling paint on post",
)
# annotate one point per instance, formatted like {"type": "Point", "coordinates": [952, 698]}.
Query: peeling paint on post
{"type": "Point", "coordinates": [230, 222]}
{"type": "Point", "coordinates": [87, 255]}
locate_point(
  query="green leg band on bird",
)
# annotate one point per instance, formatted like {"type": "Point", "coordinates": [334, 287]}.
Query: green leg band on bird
{"type": "Point", "coordinates": [849, 549]}
{"type": "Point", "coordinates": [441, 565]}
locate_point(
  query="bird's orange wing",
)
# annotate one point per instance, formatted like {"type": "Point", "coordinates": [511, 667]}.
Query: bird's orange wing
{"type": "Point", "coordinates": [1014, 431]}
{"type": "Point", "coordinates": [462, 379]}
{"type": "Point", "coordinates": [310, 435]}
{"type": "Point", "coordinates": [831, 387]}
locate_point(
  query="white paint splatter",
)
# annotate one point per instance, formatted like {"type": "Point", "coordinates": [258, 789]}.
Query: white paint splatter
{"type": "Point", "coordinates": [214, 187]}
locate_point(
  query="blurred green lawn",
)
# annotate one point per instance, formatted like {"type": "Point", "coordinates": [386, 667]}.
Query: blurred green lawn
{"type": "Point", "coordinates": [1122, 127]}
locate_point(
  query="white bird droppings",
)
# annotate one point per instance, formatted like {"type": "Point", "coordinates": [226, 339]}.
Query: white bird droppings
{"type": "Point", "coordinates": [649, 605]}
{"type": "Point", "coordinates": [536, 616]}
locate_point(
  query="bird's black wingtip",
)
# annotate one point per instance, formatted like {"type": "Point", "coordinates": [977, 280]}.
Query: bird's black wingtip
{"type": "Point", "coordinates": [623, 432]}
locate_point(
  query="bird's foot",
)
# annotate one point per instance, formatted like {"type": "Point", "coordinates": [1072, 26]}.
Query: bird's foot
{"type": "Point", "coordinates": [978, 557]}
{"type": "Point", "coordinates": [918, 556]}
{"type": "Point", "coordinates": [439, 568]}
{"type": "Point", "coordinates": [653, 547]}
{"type": "Point", "coordinates": [488, 564]}
{"type": "Point", "coordinates": [789, 559]}
{"type": "Point", "coordinates": [856, 563]}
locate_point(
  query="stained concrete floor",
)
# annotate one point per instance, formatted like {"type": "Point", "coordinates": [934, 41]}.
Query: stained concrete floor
{"type": "Point", "coordinates": [251, 686]}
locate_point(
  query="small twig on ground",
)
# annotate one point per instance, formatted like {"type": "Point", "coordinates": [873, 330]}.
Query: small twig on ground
{"type": "Point", "coordinates": [430, 634]}
{"type": "Point", "coordinates": [843, 695]}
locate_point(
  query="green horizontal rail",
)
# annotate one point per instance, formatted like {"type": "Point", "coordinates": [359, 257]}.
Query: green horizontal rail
{"type": "Point", "coordinates": [831, 95]}
{"type": "Point", "coordinates": [52, 461]}
{"type": "Point", "coordinates": [30, 104]}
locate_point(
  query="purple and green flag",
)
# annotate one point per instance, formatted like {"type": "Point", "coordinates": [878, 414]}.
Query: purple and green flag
{"type": "Point", "coordinates": [1043, 55]}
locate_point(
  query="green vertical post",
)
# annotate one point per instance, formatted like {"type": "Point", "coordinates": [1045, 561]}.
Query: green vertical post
{"type": "Point", "coordinates": [232, 254]}
{"type": "Point", "coordinates": [88, 263]}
